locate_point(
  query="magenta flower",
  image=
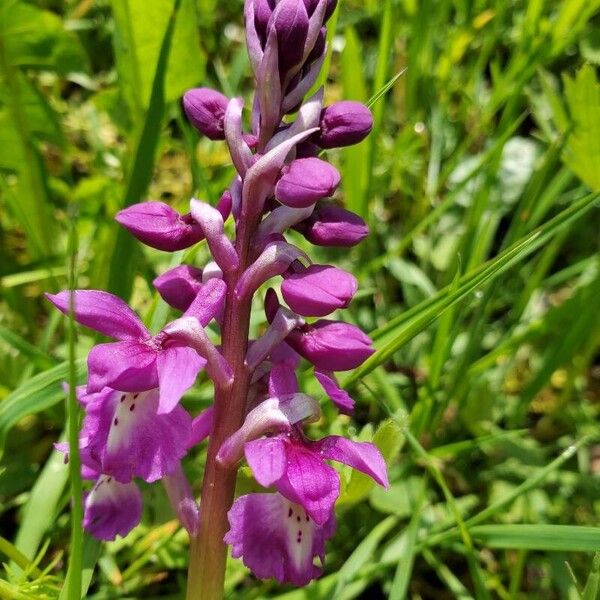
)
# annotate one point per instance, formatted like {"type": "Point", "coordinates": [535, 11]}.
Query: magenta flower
{"type": "Point", "coordinates": [138, 361]}
{"type": "Point", "coordinates": [159, 226]}
{"type": "Point", "coordinates": [276, 538]}
{"type": "Point", "coordinates": [294, 464]}
{"type": "Point", "coordinates": [332, 225]}
{"type": "Point", "coordinates": [134, 426]}
{"type": "Point", "coordinates": [306, 181]}
{"type": "Point", "coordinates": [127, 437]}
{"type": "Point", "coordinates": [112, 508]}
{"type": "Point", "coordinates": [318, 290]}
{"type": "Point", "coordinates": [344, 124]}
{"type": "Point", "coordinates": [300, 516]}
{"type": "Point", "coordinates": [205, 109]}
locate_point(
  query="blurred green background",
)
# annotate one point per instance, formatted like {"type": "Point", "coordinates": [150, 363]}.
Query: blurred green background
{"type": "Point", "coordinates": [480, 282]}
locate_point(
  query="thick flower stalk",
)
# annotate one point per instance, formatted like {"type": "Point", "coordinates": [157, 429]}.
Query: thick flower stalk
{"type": "Point", "coordinates": [135, 426]}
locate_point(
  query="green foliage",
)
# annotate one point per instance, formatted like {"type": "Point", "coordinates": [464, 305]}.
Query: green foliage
{"type": "Point", "coordinates": [479, 282]}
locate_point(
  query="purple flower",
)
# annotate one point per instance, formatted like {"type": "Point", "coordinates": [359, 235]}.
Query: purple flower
{"type": "Point", "coordinates": [276, 538]}
{"type": "Point", "coordinates": [159, 226]}
{"type": "Point", "coordinates": [112, 508]}
{"type": "Point", "coordinates": [340, 397]}
{"type": "Point", "coordinates": [297, 468]}
{"type": "Point", "coordinates": [331, 225]}
{"type": "Point", "coordinates": [318, 290]}
{"type": "Point", "coordinates": [290, 22]}
{"type": "Point", "coordinates": [331, 345]}
{"type": "Point", "coordinates": [295, 465]}
{"type": "Point", "coordinates": [205, 109]}
{"type": "Point", "coordinates": [180, 286]}
{"type": "Point", "coordinates": [344, 124]}
{"type": "Point", "coordinates": [125, 435]}
{"type": "Point", "coordinates": [306, 181]}
{"type": "Point", "coordinates": [138, 361]}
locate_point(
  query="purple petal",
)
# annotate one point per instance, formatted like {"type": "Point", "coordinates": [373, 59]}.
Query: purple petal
{"type": "Point", "coordinates": [212, 224]}
{"type": "Point", "coordinates": [238, 149]}
{"type": "Point", "coordinates": [112, 509]}
{"type": "Point", "coordinates": [280, 327]}
{"type": "Point", "coordinates": [309, 481]}
{"type": "Point", "coordinates": [159, 226]}
{"type": "Point", "coordinates": [261, 177]}
{"type": "Point", "coordinates": [282, 380]}
{"type": "Point", "coordinates": [178, 369]}
{"type": "Point", "coordinates": [276, 538]}
{"type": "Point", "coordinates": [267, 459]}
{"type": "Point", "coordinates": [318, 290]}
{"type": "Point", "coordinates": [362, 456]}
{"type": "Point", "coordinates": [179, 287]}
{"type": "Point", "coordinates": [182, 500]}
{"type": "Point", "coordinates": [334, 226]}
{"type": "Point", "coordinates": [332, 345]}
{"type": "Point", "coordinates": [202, 426]}
{"type": "Point", "coordinates": [290, 20]}
{"type": "Point", "coordinates": [253, 35]}
{"type": "Point", "coordinates": [205, 109]}
{"type": "Point", "coordinates": [338, 396]}
{"type": "Point", "coordinates": [306, 181]}
{"type": "Point", "coordinates": [128, 366]}
{"type": "Point", "coordinates": [209, 302]}
{"type": "Point", "coordinates": [187, 332]}
{"type": "Point", "coordinates": [271, 415]}
{"type": "Point", "coordinates": [131, 439]}
{"type": "Point", "coordinates": [344, 124]}
{"type": "Point", "coordinates": [102, 312]}
{"type": "Point", "coordinates": [275, 260]}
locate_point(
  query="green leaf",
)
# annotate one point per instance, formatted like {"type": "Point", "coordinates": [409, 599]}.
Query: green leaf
{"type": "Point", "coordinates": [354, 159]}
{"type": "Point", "coordinates": [582, 154]}
{"type": "Point", "coordinates": [399, 331]}
{"type": "Point", "coordinates": [140, 29]}
{"type": "Point", "coordinates": [363, 554]}
{"type": "Point", "coordinates": [123, 261]}
{"type": "Point", "coordinates": [40, 510]}
{"type": "Point", "coordinates": [552, 538]}
{"type": "Point", "coordinates": [35, 395]}
{"type": "Point", "coordinates": [36, 38]}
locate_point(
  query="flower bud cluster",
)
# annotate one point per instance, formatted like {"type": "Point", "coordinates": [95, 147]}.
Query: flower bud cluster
{"type": "Point", "coordinates": [134, 425]}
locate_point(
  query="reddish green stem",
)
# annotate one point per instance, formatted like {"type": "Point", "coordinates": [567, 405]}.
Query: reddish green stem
{"type": "Point", "coordinates": [208, 553]}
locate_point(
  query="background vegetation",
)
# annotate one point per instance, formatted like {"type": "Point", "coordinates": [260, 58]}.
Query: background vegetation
{"type": "Point", "coordinates": [480, 281]}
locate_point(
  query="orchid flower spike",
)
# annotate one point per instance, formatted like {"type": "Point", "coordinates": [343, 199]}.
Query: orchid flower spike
{"type": "Point", "coordinates": [135, 426]}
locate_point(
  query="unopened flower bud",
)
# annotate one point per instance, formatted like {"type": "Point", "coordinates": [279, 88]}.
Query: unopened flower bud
{"type": "Point", "coordinates": [179, 286]}
{"type": "Point", "coordinates": [344, 124]}
{"type": "Point", "coordinates": [318, 290]}
{"type": "Point", "coordinates": [305, 181]}
{"type": "Point", "coordinates": [333, 226]}
{"type": "Point", "coordinates": [263, 9]}
{"type": "Point", "coordinates": [290, 21]}
{"type": "Point", "coordinates": [205, 109]}
{"type": "Point", "coordinates": [159, 226]}
{"type": "Point", "coordinates": [331, 345]}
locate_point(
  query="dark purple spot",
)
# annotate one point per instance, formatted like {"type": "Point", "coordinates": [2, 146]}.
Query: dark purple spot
{"type": "Point", "coordinates": [299, 533]}
{"type": "Point", "coordinates": [116, 422]}
{"type": "Point", "coordinates": [123, 398]}
{"type": "Point", "coordinates": [298, 518]}
{"type": "Point", "coordinates": [135, 396]}
{"type": "Point", "coordinates": [307, 518]}
{"type": "Point", "coordinates": [132, 408]}
{"type": "Point", "coordinates": [298, 541]}
{"type": "Point", "coordinates": [290, 513]}
{"type": "Point", "coordinates": [109, 480]}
